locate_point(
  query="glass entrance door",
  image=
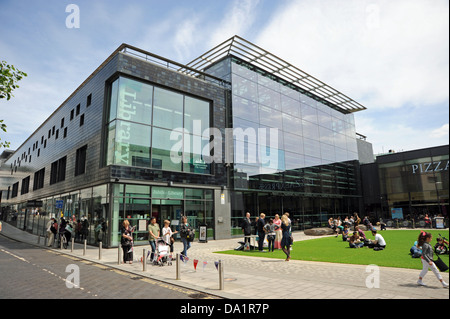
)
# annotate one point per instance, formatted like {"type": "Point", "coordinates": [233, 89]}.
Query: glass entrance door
{"type": "Point", "coordinates": [167, 209]}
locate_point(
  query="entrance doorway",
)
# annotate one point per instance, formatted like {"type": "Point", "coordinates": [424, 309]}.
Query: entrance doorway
{"type": "Point", "coordinates": [167, 209]}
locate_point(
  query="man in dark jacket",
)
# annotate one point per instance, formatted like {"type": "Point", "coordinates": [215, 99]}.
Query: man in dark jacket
{"type": "Point", "coordinates": [246, 226]}
{"type": "Point", "coordinates": [261, 231]}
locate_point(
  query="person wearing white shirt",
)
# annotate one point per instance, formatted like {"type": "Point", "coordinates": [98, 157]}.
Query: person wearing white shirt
{"type": "Point", "coordinates": [167, 234]}
{"type": "Point", "coordinates": [379, 243]}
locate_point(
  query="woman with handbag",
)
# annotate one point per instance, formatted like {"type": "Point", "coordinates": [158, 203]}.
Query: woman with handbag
{"type": "Point", "coordinates": [286, 240]}
{"type": "Point", "coordinates": [185, 230]}
{"type": "Point", "coordinates": [427, 259]}
{"type": "Point", "coordinates": [167, 234]}
{"type": "Point", "coordinates": [127, 241]}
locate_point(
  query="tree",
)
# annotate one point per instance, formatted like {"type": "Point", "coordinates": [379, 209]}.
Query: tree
{"type": "Point", "coordinates": [9, 76]}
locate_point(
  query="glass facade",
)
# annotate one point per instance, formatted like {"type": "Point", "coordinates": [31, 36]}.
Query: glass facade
{"type": "Point", "coordinates": [152, 127]}
{"type": "Point", "coordinates": [417, 186]}
{"type": "Point", "coordinates": [292, 152]}
{"type": "Point", "coordinates": [137, 203]}
{"type": "Point", "coordinates": [88, 208]}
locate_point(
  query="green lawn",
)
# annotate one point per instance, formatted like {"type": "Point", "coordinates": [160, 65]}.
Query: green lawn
{"type": "Point", "coordinates": [332, 249]}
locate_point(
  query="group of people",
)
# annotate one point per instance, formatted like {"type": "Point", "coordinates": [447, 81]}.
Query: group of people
{"type": "Point", "coordinates": [338, 225]}
{"type": "Point", "coordinates": [358, 239]}
{"type": "Point", "coordinates": [278, 231]}
{"type": "Point", "coordinates": [68, 227]}
{"type": "Point", "coordinates": [155, 233]}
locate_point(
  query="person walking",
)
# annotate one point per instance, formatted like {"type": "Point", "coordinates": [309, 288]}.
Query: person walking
{"type": "Point", "coordinates": [185, 230]}
{"type": "Point", "coordinates": [286, 239]}
{"type": "Point", "coordinates": [127, 241]}
{"type": "Point", "coordinates": [153, 234]}
{"type": "Point", "coordinates": [278, 232]}
{"type": "Point", "coordinates": [261, 231]}
{"type": "Point", "coordinates": [246, 226]}
{"type": "Point", "coordinates": [427, 259]}
{"type": "Point", "coordinates": [51, 231]}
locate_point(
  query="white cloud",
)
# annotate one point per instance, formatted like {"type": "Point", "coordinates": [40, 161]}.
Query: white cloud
{"type": "Point", "coordinates": [400, 136]}
{"type": "Point", "coordinates": [441, 132]}
{"type": "Point", "coordinates": [237, 20]}
{"type": "Point", "coordinates": [380, 53]}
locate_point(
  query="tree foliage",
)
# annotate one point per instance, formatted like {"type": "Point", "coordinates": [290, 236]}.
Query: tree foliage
{"type": "Point", "coordinates": [9, 76]}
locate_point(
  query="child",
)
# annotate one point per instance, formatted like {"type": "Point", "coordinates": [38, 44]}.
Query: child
{"type": "Point", "coordinates": [427, 259]}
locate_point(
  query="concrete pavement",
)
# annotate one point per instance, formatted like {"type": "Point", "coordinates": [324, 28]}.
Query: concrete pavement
{"type": "Point", "coordinates": [262, 278]}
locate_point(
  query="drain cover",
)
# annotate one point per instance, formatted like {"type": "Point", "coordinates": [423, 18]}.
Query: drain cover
{"type": "Point", "coordinates": [136, 278]}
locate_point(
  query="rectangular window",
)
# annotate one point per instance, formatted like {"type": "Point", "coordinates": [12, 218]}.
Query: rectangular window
{"type": "Point", "coordinates": [168, 112]}
{"type": "Point", "coordinates": [62, 122]}
{"type": "Point", "coordinates": [25, 185]}
{"type": "Point", "coordinates": [58, 171]}
{"type": "Point", "coordinates": [15, 190]}
{"type": "Point", "coordinates": [161, 149]}
{"type": "Point", "coordinates": [80, 163]}
{"type": "Point", "coordinates": [78, 109]}
{"type": "Point", "coordinates": [131, 101]}
{"type": "Point", "coordinates": [65, 132]}
{"type": "Point", "coordinates": [38, 181]}
{"type": "Point", "coordinates": [82, 120]}
{"type": "Point", "coordinates": [72, 114]}
{"type": "Point", "coordinates": [141, 121]}
{"type": "Point", "coordinates": [131, 142]}
{"type": "Point", "coordinates": [89, 100]}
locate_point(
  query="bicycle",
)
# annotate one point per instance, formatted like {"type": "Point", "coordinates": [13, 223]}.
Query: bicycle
{"type": "Point", "coordinates": [63, 238]}
{"type": "Point", "coordinates": [441, 247]}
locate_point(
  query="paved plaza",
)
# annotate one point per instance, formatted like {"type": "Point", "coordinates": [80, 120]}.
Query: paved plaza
{"type": "Point", "coordinates": [251, 277]}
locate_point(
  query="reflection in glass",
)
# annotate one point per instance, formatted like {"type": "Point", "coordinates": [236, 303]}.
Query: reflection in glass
{"type": "Point", "coordinates": [168, 111]}
{"type": "Point", "coordinates": [161, 147]}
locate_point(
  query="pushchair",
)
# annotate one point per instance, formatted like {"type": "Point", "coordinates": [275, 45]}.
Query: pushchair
{"type": "Point", "coordinates": [162, 255]}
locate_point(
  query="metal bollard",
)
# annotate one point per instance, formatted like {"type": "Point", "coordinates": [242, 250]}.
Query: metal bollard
{"type": "Point", "coordinates": [84, 248]}
{"type": "Point", "coordinates": [221, 277]}
{"type": "Point", "coordinates": [61, 244]}
{"type": "Point", "coordinates": [144, 260]}
{"type": "Point", "coordinates": [177, 266]}
{"type": "Point", "coordinates": [39, 240]}
{"type": "Point", "coordinates": [73, 243]}
{"type": "Point", "coordinates": [118, 255]}
{"type": "Point", "coordinates": [100, 251]}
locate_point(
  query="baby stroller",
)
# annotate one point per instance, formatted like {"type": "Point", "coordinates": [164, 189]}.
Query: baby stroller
{"type": "Point", "coordinates": [162, 255]}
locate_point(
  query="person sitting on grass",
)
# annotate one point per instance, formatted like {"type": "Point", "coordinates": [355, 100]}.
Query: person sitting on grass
{"type": "Point", "coordinates": [345, 233]}
{"type": "Point", "coordinates": [362, 236]}
{"type": "Point", "coordinates": [354, 241]}
{"type": "Point", "coordinates": [338, 226]}
{"type": "Point", "coordinates": [379, 243]}
{"type": "Point", "coordinates": [416, 250]}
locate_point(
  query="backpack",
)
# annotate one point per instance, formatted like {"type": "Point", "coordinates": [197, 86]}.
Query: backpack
{"type": "Point", "coordinates": [190, 235]}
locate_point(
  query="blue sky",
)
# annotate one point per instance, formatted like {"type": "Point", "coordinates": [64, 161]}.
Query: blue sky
{"type": "Point", "coordinates": [390, 56]}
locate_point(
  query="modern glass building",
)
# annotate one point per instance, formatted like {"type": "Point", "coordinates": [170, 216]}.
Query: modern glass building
{"type": "Point", "coordinates": [236, 130]}
{"type": "Point", "coordinates": [303, 157]}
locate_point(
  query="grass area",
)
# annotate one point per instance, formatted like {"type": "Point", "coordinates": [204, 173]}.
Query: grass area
{"type": "Point", "coordinates": [334, 250]}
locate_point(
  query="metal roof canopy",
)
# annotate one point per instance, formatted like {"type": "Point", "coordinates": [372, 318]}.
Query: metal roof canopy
{"type": "Point", "coordinates": [251, 53]}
